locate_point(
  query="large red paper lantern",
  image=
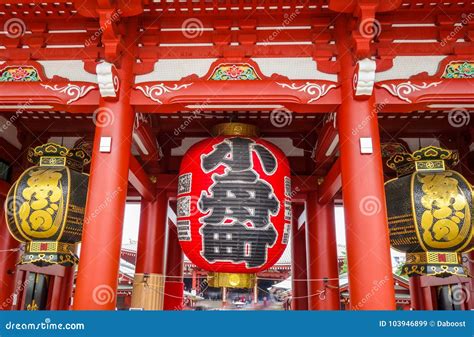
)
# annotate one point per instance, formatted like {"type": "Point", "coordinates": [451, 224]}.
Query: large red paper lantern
{"type": "Point", "coordinates": [234, 203]}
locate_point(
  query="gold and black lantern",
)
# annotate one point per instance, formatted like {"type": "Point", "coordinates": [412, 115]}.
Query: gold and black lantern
{"type": "Point", "coordinates": [430, 212]}
{"type": "Point", "coordinates": [45, 206]}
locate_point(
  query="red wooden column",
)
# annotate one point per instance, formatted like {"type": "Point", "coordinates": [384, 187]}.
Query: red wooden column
{"type": "Point", "coordinates": [148, 284]}
{"type": "Point", "coordinates": [371, 284]}
{"type": "Point", "coordinates": [102, 231]}
{"type": "Point", "coordinates": [8, 258]}
{"type": "Point", "coordinates": [67, 289]}
{"type": "Point", "coordinates": [323, 283]}
{"type": "Point", "coordinates": [174, 285]}
{"type": "Point", "coordinates": [298, 262]}
{"type": "Point", "coordinates": [416, 293]}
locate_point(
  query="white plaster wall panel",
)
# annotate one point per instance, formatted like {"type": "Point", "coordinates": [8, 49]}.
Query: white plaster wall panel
{"type": "Point", "coordinates": [300, 68]}
{"type": "Point", "coordinates": [406, 66]}
{"type": "Point", "coordinates": [71, 69]}
{"type": "Point", "coordinates": [176, 69]}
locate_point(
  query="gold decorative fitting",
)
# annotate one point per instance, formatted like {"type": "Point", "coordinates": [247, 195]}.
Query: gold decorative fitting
{"type": "Point", "coordinates": [52, 154]}
{"type": "Point", "coordinates": [231, 280]}
{"type": "Point", "coordinates": [445, 258]}
{"type": "Point", "coordinates": [49, 247]}
{"type": "Point", "coordinates": [235, 129]}
{"type": "Point", "coordinates": [32, 306]}
{"type": "Point", "coordinates": [430, 158]}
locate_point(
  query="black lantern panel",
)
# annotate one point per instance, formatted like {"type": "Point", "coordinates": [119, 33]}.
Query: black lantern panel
{"type": "Point", "coordinates": [429, 212]}
{"type": "Point", "coordinates": [45, 206]}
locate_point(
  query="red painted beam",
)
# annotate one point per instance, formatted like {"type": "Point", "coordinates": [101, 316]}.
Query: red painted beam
{"type": "Point", "coordinates": [300, 95]}
{"type": "Point", "coordinates": [349, 6]}
{"type": "Point", "coordinates": [327, 142]}
{"type": "Point", "coordinates": [390, 97]}
{"type": "Point", "coordinates": [140, 180]}
{"type": "Point", "coordinates": [146, 142]}
{"type": "Point", "coordinates": [50, 95]}
{"type": "Point", "coordinates": [331, 185]}
{"type": "Point", "coordinates": [429, 93]}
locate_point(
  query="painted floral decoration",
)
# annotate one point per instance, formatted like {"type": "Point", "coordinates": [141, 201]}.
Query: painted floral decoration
{"type": "Point", "coordinates": [19, 74]}
{"type": "Point", "coordinates": [463, 69]}
{"type": "Point", "coordinates": [233, 72]}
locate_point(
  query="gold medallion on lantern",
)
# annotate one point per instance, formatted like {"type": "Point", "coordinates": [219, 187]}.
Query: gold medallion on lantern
{"type": "Point", "coordinates": [429, 212]}
{"type": "Point", "coordinates": [45, 206]}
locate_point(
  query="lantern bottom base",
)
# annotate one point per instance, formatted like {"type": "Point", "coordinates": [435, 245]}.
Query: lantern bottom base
{"type": "Point", "coordinates": [49, 253]}
{"type": "Point", "coordinates": [231, 280]}
{"type": "Point", "coordinates": [440, 264]}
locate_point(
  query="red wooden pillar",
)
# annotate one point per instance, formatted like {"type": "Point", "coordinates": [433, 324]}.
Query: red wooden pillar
{"type": "Point", "coordinates": [67, 289]}
{"type": "Point", "coordinates": [148, 284]}
{"type": "Point", "coordinates": [55, 295]}
{"type": "Point", "coordinates": [429, 297]}
{"type": "Point", "coordinates": [323, 284]}
{"type": "Point", "coordinates": [174, 285]}
{"type": "Point", "coordinates": [298, 263]}
{"type": "Point", "coordinates": [8, 258]}
{"type": "Point", "coordinates": [103, 221]}
{"type": "Point", "coordinates": [416, 293]}
{"type": "Point", "coordinates": [371, 283]}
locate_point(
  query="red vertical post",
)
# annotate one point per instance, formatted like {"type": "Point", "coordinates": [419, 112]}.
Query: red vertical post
{"type": "Point", "coordinates": [67, 288]}
{"type": "Point", "coordinates": [416, 293]}
{"type": "Point", "coordinates": [429, 298]}
{"type": "Point", "coordinates": [8, 258]}
{"type": "Point", "coordinates": [103, 221]}
{"type": "Point", "coordinates": [298, 263]}
{"type": "Point", "coordinates": [148, 284]}
{"type": "Point", "coordinates": [371, 283]}
{"type": "Point", "coordinates": [55, 295]}
{"type": "Point", "coordinates": [174, 285]}
{"type": "Point", "coordinates": [323, 274]}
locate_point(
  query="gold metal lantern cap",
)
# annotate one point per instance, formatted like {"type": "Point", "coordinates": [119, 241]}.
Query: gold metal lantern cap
{"type": "Point", "coordinates": [52, 154]}
{"type": "Point", "coordinates": [45, 206]}
{"type": "Point", "coordinates": [427, 159]}
{"type": "Point", "coordinates": [430, 212]}
{"type": "Point", "coordinates": [235, 129]}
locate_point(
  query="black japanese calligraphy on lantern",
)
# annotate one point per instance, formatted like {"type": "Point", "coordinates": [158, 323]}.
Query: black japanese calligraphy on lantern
{"type": "Point", "coordinates": [238, 204]}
